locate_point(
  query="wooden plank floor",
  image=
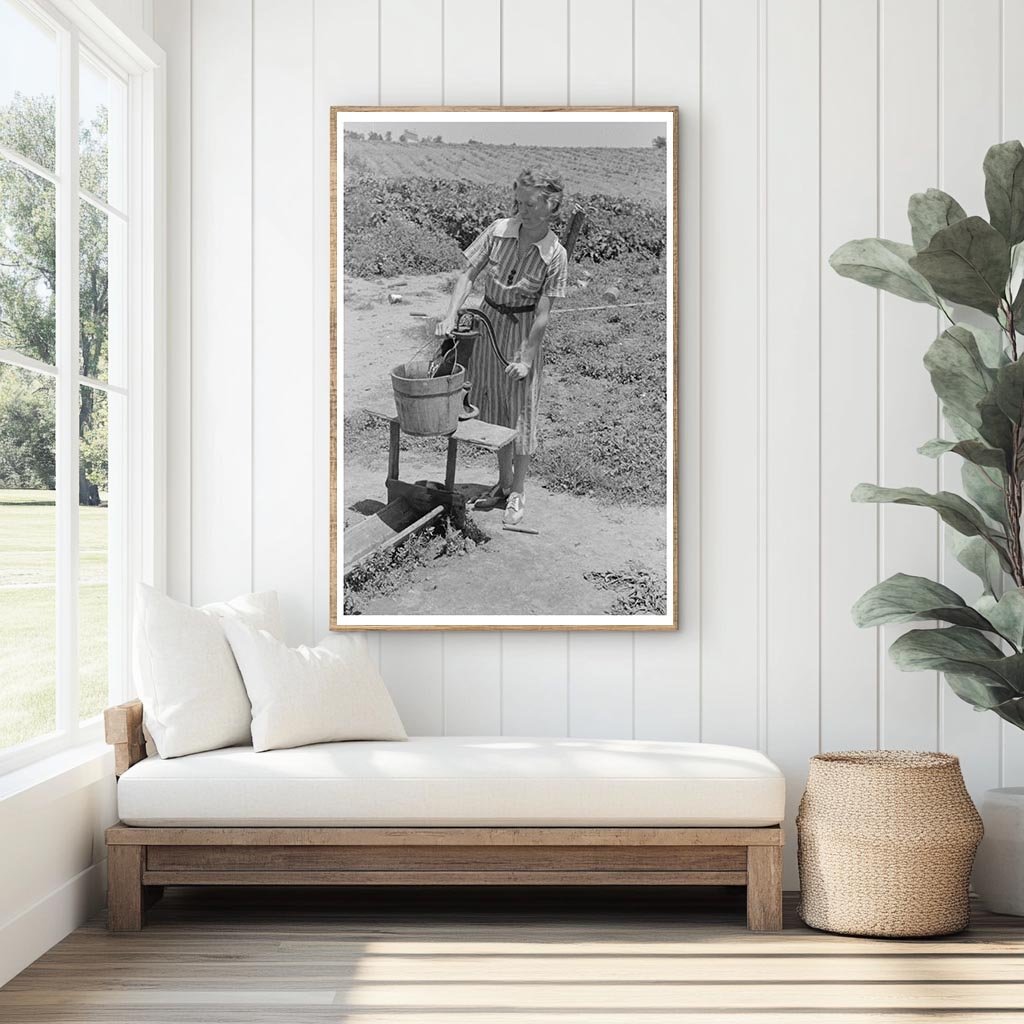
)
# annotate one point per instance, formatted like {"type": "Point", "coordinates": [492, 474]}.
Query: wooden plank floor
{"type": "Point", "coordinates": [219, 956]}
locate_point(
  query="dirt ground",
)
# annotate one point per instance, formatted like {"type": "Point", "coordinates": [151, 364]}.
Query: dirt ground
{"type": "Point", "coordinates": [510, 573]}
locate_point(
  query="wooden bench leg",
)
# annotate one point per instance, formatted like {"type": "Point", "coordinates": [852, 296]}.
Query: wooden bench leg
{"type": "Point", "coordinates": [125, 896]}
{"type": "Point", "coordinates": [764, 888]}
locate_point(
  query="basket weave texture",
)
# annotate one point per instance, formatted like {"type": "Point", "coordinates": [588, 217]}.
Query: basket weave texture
{"type": "Point", "coordinates": [885, 843]}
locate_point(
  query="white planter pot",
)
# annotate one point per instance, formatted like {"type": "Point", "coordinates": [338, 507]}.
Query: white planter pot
{"type": "Point", "coordinates": [999, 866]}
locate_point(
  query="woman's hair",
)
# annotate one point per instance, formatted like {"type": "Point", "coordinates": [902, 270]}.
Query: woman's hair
{"type": "Point", "coordinates": [550, 187]}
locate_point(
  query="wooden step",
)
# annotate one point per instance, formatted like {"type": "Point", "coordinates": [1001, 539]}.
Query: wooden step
{"type": "Point", "coordinates": [477, 433]}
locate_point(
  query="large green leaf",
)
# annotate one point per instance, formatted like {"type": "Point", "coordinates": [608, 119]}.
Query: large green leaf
{"type": "Point", "coordinates": [973, 451]}
{"type": "Point", "coordinates": [964, 652]}
{"type": "Point", "coordinates": [903, 598]}
{"type": "Point", "coordinates": [990, 345]}
{"type": "Point", "coordinates": [996, 427]}
{"type": "Point", "coordinates": [983, 694]}
{"type": "Point", "coordinates": [961, 429]}
{"type": "Point", "coordinates": [967, 263]}
{"type": "Point", "coordinates": [1009, 390]}
{"type": "Point", "coordinates": [985, 487]}
{"type": "Point", "coordinates": [958, 372]}
{"type": "Point", "coordinates": [953, 510]}
{"type": "Point", "coordinates": [883, 264]}
{"type": "Point", "coordinates": [932, 211]}
{"type": "Point", "coordinates": [976, 555]}
{"type": "Point", "coordinates": [1006, 614]}
{"type": "Point", "coordinates": [1011, 711]}
{"type": "Point", "coordinates": [1016, 308]}
{"type": "Point", "coordinates": [1004, 189]}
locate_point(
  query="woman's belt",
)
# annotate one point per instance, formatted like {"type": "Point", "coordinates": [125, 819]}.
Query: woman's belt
{"type": "Point", "coordinates": [510, 310]}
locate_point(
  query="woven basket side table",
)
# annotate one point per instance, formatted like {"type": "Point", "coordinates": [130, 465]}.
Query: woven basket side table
{"type": "Point", "coordinates": [885, 843]}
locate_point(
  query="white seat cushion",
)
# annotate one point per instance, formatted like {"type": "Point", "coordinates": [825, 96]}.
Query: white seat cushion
{"type": "Point", "coordinates": [459, 780]}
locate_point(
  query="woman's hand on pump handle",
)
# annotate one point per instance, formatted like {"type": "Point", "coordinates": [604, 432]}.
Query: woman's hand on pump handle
{"type": "Point", "coordinates": [445, 327]}
{"type": "Point", "coordinates": [517, 371]}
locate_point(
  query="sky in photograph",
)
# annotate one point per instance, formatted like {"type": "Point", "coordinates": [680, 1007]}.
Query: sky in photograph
{"type": "Point", "coordinates": [527, 133]}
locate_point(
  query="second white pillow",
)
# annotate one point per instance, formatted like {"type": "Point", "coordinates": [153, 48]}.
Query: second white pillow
{"type": "Point", "coordinates": [308, 695]}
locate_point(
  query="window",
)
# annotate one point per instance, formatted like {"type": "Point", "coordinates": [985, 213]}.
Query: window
{"type": "Point", "coordinates": [77, 252]}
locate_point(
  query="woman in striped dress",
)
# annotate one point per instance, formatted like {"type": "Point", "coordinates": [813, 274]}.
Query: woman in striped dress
{"type": "Point", "coordinates": [525, 269]}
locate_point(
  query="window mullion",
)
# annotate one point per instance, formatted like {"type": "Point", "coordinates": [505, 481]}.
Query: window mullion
{"type": "Point", "coordinates": [67, 386]}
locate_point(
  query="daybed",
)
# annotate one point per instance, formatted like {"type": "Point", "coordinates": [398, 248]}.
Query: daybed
{"type": "Point", "coordinates": [444, 811]}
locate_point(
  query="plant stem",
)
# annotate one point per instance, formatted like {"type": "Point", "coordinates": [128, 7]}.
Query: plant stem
{"type": "Point", "coordinates": [1012, 494]}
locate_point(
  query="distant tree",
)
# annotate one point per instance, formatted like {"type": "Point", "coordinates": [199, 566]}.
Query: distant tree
{"type": "Point", "coordinates": [387, 136]}
{"type": "Point", "coordinates": [659, 142]}
{"type": "Point", "coordinates": [28, 283]}
{"type": "Point", "coordinates": [27, 457]}
{"type": "Point", "coordinates": [374, 137]}
{"type": "Point", "coordinates": [437, 138]}
{"type": "Point", "coordinates": [350, 134]}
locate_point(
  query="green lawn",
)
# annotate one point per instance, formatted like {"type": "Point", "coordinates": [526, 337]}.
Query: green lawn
{"type": "Point", "coordinates": [28, 524]}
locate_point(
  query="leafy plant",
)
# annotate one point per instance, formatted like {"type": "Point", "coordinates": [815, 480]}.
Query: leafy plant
{"type": "Point", "coordinates": [638, 591]}
{"type": "Point", "coordinates": [454, 210]}
{"type": "Point", "coordinates": [978, 375]}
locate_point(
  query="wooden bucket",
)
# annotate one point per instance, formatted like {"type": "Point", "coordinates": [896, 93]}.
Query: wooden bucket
{"type": "Point", "coordinates": [427, 406]}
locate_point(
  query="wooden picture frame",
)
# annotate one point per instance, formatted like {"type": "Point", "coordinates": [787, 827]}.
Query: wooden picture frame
{"type": "Point", "coordinates": [638, 597]}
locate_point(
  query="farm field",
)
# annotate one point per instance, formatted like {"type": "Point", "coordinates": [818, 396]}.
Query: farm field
{"type": "Point", "coordinates": [598, 484]}
{"type": "Point", "coordinates": [28, 521]}
{"type": "Point", "coordinates": [596, 496]}
{"type": "Point", "coordinates": [630, 173]}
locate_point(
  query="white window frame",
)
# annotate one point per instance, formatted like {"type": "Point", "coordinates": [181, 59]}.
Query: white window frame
{"type": "Point", "coordinates": [140, 63]}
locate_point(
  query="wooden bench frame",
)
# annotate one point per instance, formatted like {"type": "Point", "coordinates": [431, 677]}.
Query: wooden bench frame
{"type": "Point", "coordinates": [142, 860]}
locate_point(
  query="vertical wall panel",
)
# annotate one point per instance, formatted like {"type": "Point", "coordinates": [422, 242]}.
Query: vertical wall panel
{"type": "Point", "coordinates": [667, 665]}
{"type": "Point", "coordinates": [1012, 127]}
{"type": "Point", "coordinates": [351, 30]}
{"type": "Point", "coordinates": [413, 673]}
{"type": "Point", "coordinates": [411, 72]}
{"type": "Point", "coordinates": [410, 56]}
{"type": "Point", "coordinates": [849, 369]}
{"type": "Point", "coordinates": [472, 684]}
{"type": "Point", "coordinates": [173, 30]}
{"type": "Point", "coordinates": [601, 668]}
{"type": "Point", "coordinates": [600, 52]}
{"type": "Point", "coordinates": [472, 52]}
{"type": "Point", "coordinates": [729, 387]}
{"type": "Point", "coordinates": [601, 684]}
{"type": "Point", "coordinates": [221, 378]}
{"type": "Point", "coordinates": [535, 684]}
{"type": "Point", "coordinates": [534, 52]}
{"type": "Point", "coordinates": [792, 416]}
{"type": "Point", "coordinates": [535, 676]}
{"type": "Point", "coordinates": [969, 124]}
{"type": "Point", "coordinates": [472, 74]}
{"type": "Point", "coordinates": [283, 308]}
{"type": "Point", "coordinates": [909, 414]}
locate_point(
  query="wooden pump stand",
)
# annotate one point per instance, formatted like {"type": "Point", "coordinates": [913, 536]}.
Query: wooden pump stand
{"type": "Point", "coordinates": [413, 506]}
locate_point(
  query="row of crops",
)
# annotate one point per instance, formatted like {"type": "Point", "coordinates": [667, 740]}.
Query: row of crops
{"type": "Point", "coordinates": [406, 225]}
{"type": "Point", "coordinates": [635, 173]}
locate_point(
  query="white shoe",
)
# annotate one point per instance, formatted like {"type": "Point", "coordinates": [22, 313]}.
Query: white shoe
{"type": "Point", "coordinates": [514, 511]}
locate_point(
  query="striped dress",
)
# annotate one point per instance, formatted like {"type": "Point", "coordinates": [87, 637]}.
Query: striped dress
{"type": "Point", "coordinates": [512, 281]}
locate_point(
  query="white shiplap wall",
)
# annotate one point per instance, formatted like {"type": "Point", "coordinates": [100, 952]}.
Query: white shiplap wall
{"type": "Point", "coordinates": [804, 123]}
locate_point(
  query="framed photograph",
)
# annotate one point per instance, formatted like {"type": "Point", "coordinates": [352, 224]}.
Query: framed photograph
{"type": "Point", "coordinates": [504, 398]}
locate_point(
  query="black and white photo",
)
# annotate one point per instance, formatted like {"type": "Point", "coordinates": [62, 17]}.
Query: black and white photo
{"type": "Point", "coordinates": [504, 418]}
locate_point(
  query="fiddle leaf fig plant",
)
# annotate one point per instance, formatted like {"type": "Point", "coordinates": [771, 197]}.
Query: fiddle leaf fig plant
{"type": "Point", "coordinates": [977, 373]}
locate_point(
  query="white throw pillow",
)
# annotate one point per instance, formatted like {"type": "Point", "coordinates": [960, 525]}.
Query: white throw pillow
{"type": "Point", "coordinates": [309, 694]}
{"type": "Point", "coordinates": [192, 693]}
